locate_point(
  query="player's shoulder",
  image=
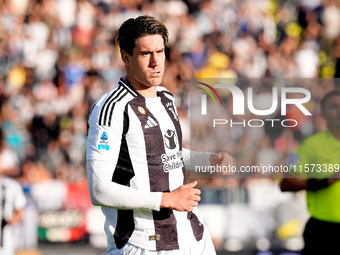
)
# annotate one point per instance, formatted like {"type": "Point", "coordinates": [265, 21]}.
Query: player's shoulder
{"type": "Point", "coordinates": [165, 91]}
{"type": "Point", "coordinates": [111, 104]}
{"type": "Point", "coordinates": [121, 94]}
{"type": "Point", "coordinates": [312, 144]}
{"type": "Point", "coordinates": [317, 138]}
{"type": "Point", "coordinates": [10, 183]}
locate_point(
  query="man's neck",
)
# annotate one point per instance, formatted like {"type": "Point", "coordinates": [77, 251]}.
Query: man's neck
{"type": "Point", "coordinates": [147, 92]}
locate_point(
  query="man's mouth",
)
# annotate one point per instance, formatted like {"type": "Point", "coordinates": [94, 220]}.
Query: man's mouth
{"type": "Point", "coordinates": [155, 74]}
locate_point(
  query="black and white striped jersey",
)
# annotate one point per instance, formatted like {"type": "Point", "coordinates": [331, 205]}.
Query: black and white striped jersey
{"type": "Point", "coordinates": [142, 139]}
{"type": "Point", "coordinates": [12, 198]}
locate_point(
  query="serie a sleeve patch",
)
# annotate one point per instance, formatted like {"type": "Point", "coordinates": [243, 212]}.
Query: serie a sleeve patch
{"type": "Point", "coordinates": [104, 142]}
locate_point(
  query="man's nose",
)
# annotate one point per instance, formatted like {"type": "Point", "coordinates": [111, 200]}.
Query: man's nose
{"type": "Point", "coordinates": [154, 60]}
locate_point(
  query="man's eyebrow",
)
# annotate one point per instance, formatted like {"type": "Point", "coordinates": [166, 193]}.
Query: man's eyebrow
{"type": "Point", "coordinates": [148, 51]}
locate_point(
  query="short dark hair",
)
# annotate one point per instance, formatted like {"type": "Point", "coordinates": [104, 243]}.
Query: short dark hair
{"type": "Point", "coordinates": [328, 95]}
{"type": "Point", "coordinates": [133, 29]}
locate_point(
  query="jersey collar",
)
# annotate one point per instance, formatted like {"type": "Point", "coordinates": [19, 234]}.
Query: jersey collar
{"type": "Point", "coordinates": [128, 86]}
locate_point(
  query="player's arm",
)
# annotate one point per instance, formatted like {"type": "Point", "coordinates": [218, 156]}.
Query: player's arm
{"type": "Point", "coordinates": [296, 181]}
{"type": "Point", "coordinates": [103, 148]}
{"type": "Point", "coordinates": [19, 204]}
{"type": "Point", "coordinates": [103, 192]}
{"type": "Point", "coordinates": [17, 216]}
{"type": "Point", "coordinates": [193, 159]}
{"type": "Point", "coordinates": [101, 164]}
{"type": "Point", "coordinates": [293, 183]}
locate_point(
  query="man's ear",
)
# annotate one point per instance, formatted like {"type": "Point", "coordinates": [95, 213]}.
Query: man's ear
{"type": "Point", "coordinates": [125, 57]}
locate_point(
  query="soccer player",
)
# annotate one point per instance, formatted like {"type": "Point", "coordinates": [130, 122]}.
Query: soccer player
{"type": "Point", "coordinates": [318, 158]}
{"type": "Point", "coordinates": [12, 202]}
{"type": "Point", "coordinates": [135, 160]}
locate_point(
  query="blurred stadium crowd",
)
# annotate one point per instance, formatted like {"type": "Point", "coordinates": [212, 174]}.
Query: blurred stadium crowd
{"type": "Point", "coordinates": [58, 56]}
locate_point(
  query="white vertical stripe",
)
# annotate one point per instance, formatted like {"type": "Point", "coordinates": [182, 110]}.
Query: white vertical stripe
{"type": "Point", "coordinates": [110, 223]}
{"type": "Point", "coordinates": [149, 123]}
{"type": "Point", "coordinates": [152, 121]}
{"type": "Point", "coordinates": [141, 180]}
{"type": "Point", "coordinates": [204, 104]}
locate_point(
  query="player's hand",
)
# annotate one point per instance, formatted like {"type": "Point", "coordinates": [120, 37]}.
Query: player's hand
{"type": "Point", "coordinates": [184, 198]}
{"type": "Point", "coordinates": [223, 160]}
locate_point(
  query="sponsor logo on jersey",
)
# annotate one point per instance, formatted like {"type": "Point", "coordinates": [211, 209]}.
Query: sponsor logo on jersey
{"type": "Point", "coordinates": [141, 110]}
{"type": "Point", "coordinates": [172, 161]}
{"type": "Point", "coordinates": [104, 142]}
{"type": "Point", "coordinates": [150, 123]}
{"type": "Point", "coordinates": [155, 237]}
{"type": "Point", "coordinates": [170, 139]}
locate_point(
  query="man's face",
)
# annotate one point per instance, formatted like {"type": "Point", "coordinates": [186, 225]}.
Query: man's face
{"type": "Point", "coordinates": [331, 112]}
{"type": "Point", "coordinates": [145, 67]}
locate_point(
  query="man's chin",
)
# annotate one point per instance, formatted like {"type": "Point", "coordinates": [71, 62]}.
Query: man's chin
{"type": "Point", "coordinates": [155, 82]}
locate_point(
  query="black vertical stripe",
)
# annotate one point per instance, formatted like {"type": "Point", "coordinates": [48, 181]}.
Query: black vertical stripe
{"type": "Point", "coordinates": [126, 121]}
{"type": "Point", "coordinates": [165, 100]}
{"type": "Point", "coordinates": [3, 220]}
{"type": "Point", "coordinates": [113, 106]}
{"type": "Point", "coordinates": [166, 227]}
{"type": "Point", "coordinates": [106, 102]}
{"type": "Point", "coordinates": [124, 228]}
{"type": "Point", "coordinates": [153, 137]}
{"type": "Point", "coordinates": [164, 220]}
{"type": "Point", "coordinates": [112, 101]}
{"type": "Point", "coordinates": [196, 225]}
{"type": "Point", "coordinates": [122, 175]}
{"type": "Point", "coordinates": [124, 171]}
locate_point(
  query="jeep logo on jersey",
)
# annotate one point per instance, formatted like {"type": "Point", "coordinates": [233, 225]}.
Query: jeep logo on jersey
{"type": "Point", "coordinates": [170, 139]}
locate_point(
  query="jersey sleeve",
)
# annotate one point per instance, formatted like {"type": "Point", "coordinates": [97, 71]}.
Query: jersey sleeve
{"type": "Point", "coordinates": [103, 192]}
{"type": "Point", "coordinates": [20, 200]}
{"type": "Point", "coordinates": [103, 148]}
{"type": "Point", "coordinates": [194, 159]}
{"type": "Point", "coordinates": [103, 140]}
